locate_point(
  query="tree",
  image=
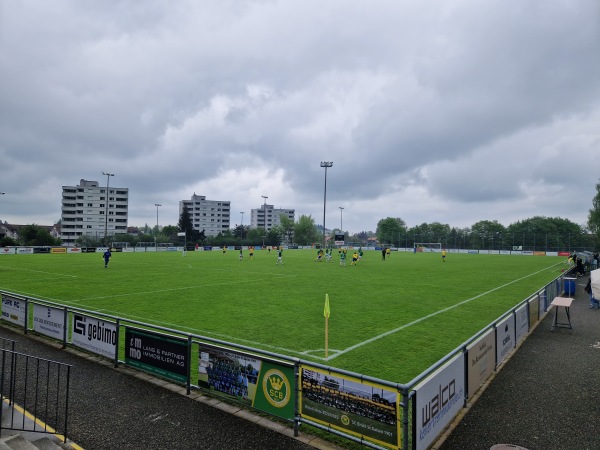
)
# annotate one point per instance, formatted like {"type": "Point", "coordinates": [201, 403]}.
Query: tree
{"type": "Point", "coordinates": [390, 230]}
{"type": "Point", "coordinates": [305, 231]}
{"type": "Point", "coordinates": [8, 242]}
{"type": "Point", "coordinates": [287, 228]}
{"type": "Point", "coordinates": [594, 214]}
{"type": "Point", "coordinates": [185, 224]}
{"type": "Point", "coordinates": [36, 235]}
{"type": "Point", "coordinates": [541, 233]}
{"type": "Point", "coordinates": [485, 232]}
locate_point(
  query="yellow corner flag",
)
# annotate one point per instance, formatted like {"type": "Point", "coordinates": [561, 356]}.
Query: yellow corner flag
{"type": "Point", "coordinates": [327, 311]}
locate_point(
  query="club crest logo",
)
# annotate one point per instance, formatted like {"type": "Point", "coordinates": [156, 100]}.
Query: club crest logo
{"type": "Point", "coordinates": [276, 388]}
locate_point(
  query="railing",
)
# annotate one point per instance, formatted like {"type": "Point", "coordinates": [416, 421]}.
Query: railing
{"type": "Point", "coordinates": [35, 394]}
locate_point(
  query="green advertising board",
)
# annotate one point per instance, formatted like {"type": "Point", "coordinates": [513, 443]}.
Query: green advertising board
{"type": "Point", "coordinates": [159, 354]}
{"type": "Point", "coordinates": [263, 384]}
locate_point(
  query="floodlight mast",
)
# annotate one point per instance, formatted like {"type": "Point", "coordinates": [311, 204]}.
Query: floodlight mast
{"type": "Point", "coordinates": [325, 164]}
{"type": "Point", "coordinates": [157, 205]}
{"type": "Point", "coordinates": [265, 211]}
{"type": "Point", "coordinates": [108, 175]}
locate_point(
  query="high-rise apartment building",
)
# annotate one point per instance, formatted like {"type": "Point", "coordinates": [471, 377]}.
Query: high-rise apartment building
{"type": "Point", "coordinates": [212, 216]}
{"type": "Point", "coordinates": [88, 211]}
{"type": "Point", "coordinates": [268, 217]}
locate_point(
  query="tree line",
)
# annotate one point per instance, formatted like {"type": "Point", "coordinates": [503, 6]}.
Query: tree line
{"type": "Point", "coordinates": [537, 234]}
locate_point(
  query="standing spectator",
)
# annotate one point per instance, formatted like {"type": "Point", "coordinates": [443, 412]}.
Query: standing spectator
{"type": "Point", "coordinates": [580, 268]}
{"type": "Point", "coordinates": [593, 302]}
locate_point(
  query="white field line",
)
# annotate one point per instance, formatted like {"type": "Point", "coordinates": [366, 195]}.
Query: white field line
{"type": "Point", "coordinates": [40, 271]}
{"type": "Point", "coordinates": [441, 311]}
{"type": "Point", "coordinates": [184, 288]}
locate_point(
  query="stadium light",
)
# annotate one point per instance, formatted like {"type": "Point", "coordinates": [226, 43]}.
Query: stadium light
{"type": "Point", "coordinates": [108, 175]}
{"type": "Point", "coordinates": [157, 205]}
{"type": "Point", "coordinates": [265, 212]}
{"type": "Point", "coordinates": [341, 218]}
{"type": "Point", "coordinates": [242, 225]}
{"type": "Point", "coordinates": [325, 164]}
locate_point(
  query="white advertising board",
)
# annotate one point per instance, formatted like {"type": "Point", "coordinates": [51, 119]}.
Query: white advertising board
{"type": "Point", "coordinates": [505, 338]}
{"type": "Point", "coordinates": [94, 335]}
{"type": "Point", "coordinates": [13, 310]}
{"type": "Point", "coordinates": [439, 399]}
{"type": "Point", "coordinates": [481, 361]}
{"type": "Point", "coordinates": [522, 318]}
{"type": "Point", "coordinates": [49, 321]}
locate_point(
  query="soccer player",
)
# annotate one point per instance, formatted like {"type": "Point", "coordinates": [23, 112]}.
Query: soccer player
{"type": "Point", "coordinates": [354, 259]}
{"type": "Point", "coordinates": [319, 255]}
{"type": "Point", "coordinates": [279, 256]}
{"type": "Point", "coordinates": [444, 255]}
{"type": "Point", "coordinates": [251, 250]}
{"type": "Point", "coordinates": [328, 255]}
{"type": "Point", "coordinates": [106, 256]}
{"type": "Point", "coordinates": [241, 255]}
{"type": "Point", "coordinates": [342, 257]}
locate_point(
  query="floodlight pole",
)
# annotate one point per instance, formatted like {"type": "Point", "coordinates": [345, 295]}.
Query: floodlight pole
{"type": "Point", "coordinates": [157, 205]}
{"type": "Point", "coordinates": [108, 175]}
{"type": "Point", "coordinates": [341, 218]}
{"type": "Point", "coordinates": [242, 225]}
{"type": "Point", "coordinates": [265, 211]}
{"type": "Point", "coordinates": [325, 164]}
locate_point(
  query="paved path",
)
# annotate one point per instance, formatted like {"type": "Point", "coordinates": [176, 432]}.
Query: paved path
{"type": "Point", "coordinates": [126, 409]}
{"type": "Point", "coordinates": [547, 396]}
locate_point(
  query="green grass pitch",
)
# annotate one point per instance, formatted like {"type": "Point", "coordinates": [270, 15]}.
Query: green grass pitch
{"type": "Point", "coordinates": [389, 319]}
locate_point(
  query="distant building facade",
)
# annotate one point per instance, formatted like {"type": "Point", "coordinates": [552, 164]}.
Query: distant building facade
{"type": "Point", "coordinates": [268, 217]}
{"type": "Point", "coordinates": [211, 216]}
{"type": "Point", "coordinates": [89, 211]}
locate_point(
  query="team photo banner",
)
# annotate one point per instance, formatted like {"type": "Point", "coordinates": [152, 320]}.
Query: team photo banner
{"type": "Point", "coordinates": [263, 384]}
{"type": "Point", "coordinates": [362, 409]}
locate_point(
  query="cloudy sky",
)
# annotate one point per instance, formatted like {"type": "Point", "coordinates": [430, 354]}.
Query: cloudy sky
{"type": "Point", "coordinates": [452, 111]}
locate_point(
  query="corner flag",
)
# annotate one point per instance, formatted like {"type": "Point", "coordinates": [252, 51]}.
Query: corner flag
{"type": "Point", "coordinates": [326, 313]}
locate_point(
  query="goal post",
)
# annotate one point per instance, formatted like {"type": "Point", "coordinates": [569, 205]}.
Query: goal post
{"type": "Point", "coordinates": [428, 246]}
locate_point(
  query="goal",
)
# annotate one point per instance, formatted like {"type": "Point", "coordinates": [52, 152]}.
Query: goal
{"type": "Point", "coordinates": [428, 246]}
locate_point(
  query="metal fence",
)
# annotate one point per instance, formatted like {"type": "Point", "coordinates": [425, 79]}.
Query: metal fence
{"type": "Point", "coordinates": [35, 393]}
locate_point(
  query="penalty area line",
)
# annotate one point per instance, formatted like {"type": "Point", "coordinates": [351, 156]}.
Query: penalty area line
{"type": "Point", "coordinates": [429, 316]}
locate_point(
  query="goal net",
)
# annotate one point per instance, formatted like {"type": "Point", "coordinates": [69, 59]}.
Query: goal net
{"type": "Point", "coordinates": [428, 246]}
